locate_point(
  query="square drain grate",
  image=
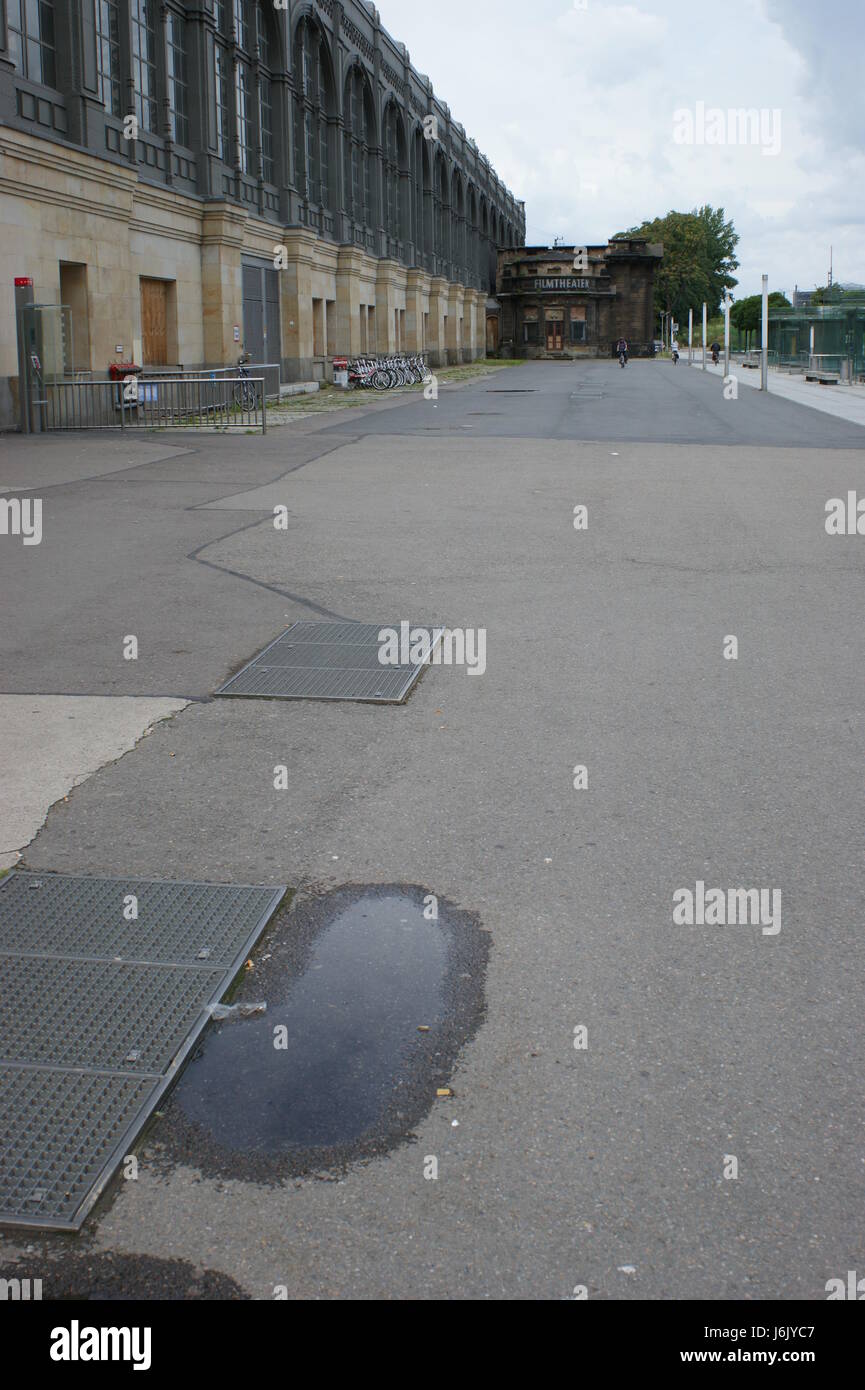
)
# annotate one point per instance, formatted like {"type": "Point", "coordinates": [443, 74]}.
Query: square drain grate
{"type": "Point", "coordinates": [326, 661]}
{"type": "Point", "coordinates": [105, 987]}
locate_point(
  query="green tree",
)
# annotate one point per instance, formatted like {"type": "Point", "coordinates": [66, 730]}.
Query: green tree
{"type": "Point", "coordinates": [699, 259]}
{"type": "Point", "coordinates": [747, 315]}
{"type": "Point", "coordinates": [720, 251]}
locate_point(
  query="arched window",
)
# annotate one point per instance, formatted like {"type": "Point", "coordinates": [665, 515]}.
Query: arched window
{"type": "Point", "coordinates": [245, 36]}
{"type": "Point", "coordinates": [427, 216]}
{"type": "Point", "coordinates": [31, 39]}
{"type": "Point", "coordinates": [313, 110]}
{"type": "Point", "coordinates": [243, 33]}
{"type": "Point", "coordinates": [222, 82]}
{"type": "Point", "coordinates": [417, 188]}
{"type": "Point", "coordinates": [268, 58]}
{"type": "Point", "coordinates": [177, 75]}
{"type": "Point", "coordinates": [397, 222]}
{"type": "Point", "coordinates": [108, 54]}
{"type": "Point", "coordinates": [245, 58]}
{"type": "Point", "coordinates": [359, 136]}
{"type": "Point", "coordinates": [442, 211]}
{"type": "Point", "coordinates": [458, 227]}
{"type": "Point", "coordinates": [472, 256]}
{"type": "Point", "coordinates": [143, 26]}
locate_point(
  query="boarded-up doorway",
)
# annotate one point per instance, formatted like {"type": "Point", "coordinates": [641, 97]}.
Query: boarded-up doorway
{"type": "Point", "coordinates": [73, 291]}
{"type": "Point", "coordinates": [154, 322]}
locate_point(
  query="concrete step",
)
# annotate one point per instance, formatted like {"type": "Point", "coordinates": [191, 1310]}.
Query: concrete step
{"type": "Point", "coordinates": [298, 388]}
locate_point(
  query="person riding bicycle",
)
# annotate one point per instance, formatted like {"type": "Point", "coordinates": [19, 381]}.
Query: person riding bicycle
{"type": "Point", "coordinates": [622, 348]}
{"type": "Point", "coordinates": [715, 350]}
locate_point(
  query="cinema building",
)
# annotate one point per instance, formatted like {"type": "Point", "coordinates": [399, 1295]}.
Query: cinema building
{"type": "Point", "coordinates": [572, 301]}
{"type": "Point", "coordinates": [195, 177]}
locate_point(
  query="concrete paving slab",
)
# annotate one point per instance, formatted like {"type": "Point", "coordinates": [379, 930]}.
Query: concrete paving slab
{"type": "Point", "coordinates": [34, 462]}
{"type": "Point", "coordinates": [844, 402]}
{"type": "Point", "coordinates": [50, 744]}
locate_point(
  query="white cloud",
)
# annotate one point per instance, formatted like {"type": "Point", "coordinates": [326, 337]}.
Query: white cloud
{"type": "Point", "coordinates": [574, 107]}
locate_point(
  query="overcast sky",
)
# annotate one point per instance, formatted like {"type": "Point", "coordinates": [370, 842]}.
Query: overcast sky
{"type": "Point", "coordinates": [575, 102]}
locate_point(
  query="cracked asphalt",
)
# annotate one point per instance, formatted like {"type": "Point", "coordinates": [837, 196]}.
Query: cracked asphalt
{"type": "Point", "coordinates": [604, 649]}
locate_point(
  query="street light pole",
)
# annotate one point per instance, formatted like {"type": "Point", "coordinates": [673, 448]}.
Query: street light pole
{"type": "Point", "coordinates": [764, 354]}
{"type": "Point", "coordinates": [690, 336]}
{"type": "Point", "coordinates": [705, 329]}
{"type": "Point", "coordinates": [727, 303]}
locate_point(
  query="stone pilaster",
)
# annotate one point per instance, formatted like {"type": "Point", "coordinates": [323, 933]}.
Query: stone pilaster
{"type": "Point", "coordinates": [474, 314]}
{"type": "Point", "coordinates": [416, 295]}
{"type": "Point", "coordinates": [223, 228]}
{"type": "Point", "coordinates": [438, 313]}
{"type": "Point", "coordinates": [348, 300]}
{"type": "Point", "coordinates": [390, 278]}
{"type": "Point", "coordinates": [455, 334]}
{"type": "Point", "coordinates": [295, 296]}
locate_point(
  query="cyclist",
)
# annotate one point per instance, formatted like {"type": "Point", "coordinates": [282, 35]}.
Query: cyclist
{"type": "Point", "coordinates": [622, 350]}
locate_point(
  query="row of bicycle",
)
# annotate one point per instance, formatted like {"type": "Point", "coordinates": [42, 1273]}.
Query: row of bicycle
{"type": "Point", "coordinates": [385, 373]}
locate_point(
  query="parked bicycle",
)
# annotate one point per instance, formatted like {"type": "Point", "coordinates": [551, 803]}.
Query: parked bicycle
{"type": "Point", "coordinates": [387, 373]}
{"type": "Point", "coordinates": [245, 390]}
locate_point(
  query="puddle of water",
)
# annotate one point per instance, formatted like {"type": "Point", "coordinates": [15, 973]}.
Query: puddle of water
{"type": "Point", "coordinates": [375, 973]}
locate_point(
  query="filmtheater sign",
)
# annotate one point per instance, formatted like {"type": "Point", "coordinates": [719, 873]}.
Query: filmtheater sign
{"type": "Point", "coordinates": [562, 282]}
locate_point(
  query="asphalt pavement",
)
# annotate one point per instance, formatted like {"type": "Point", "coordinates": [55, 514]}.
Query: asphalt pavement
{"type": "Point", "coordinates": [558, 1165]}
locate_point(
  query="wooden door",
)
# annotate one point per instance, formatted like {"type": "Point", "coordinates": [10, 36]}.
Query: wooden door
{"type": "Point", "coordinates": [555, 331]}
{"type": "Point", "coordinates": [154, 322]}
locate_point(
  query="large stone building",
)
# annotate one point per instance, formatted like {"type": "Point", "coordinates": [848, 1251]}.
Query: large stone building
{"type": "Point", "coordinates": [570, 301]}
{"type": "Point", "coordinates": [289, 184]}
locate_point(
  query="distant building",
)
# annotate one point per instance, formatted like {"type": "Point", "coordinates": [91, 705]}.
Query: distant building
{"type": "Point", "coordinates": [558, 303]}
{"type": "Point", "coordinates": [828, 336]}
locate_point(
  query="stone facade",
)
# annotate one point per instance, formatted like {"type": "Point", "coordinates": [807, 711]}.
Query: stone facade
{"type": "Point", "coordinates": [296, 136]}
{"type": "Point", "coordinates": [569, 301]}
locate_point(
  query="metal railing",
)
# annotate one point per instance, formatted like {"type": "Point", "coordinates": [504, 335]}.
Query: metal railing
{"type": "Point", "coordinates": [204, 402]}
{"type": "Point", "coordinates": [269, 370]}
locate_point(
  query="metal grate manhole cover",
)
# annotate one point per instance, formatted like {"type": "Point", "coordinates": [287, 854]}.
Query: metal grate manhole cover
{"type": "Point", "coordinates": [327, 661]}
{"type": "Point", "coordinates": [105, 986]}
{"type": "Point", "coordinates": [168, 923]}
{"type": "Point", "coordinates": [75, 1013]}
{"type": "Point", "coordinates": [62, 1133]}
